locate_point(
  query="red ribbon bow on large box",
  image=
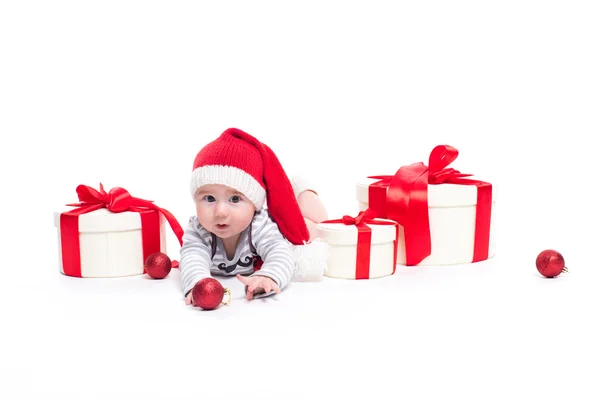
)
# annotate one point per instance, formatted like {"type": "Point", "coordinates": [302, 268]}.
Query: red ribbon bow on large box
{"type": "Point", "coordinates": [403, 198]}
{"type": "Point", "coordinates": [363, 247]}
{"type": "Point", "coordinates": [117, 200]}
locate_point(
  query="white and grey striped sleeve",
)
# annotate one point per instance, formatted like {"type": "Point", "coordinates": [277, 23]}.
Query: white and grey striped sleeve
{"type": "Point", "coordinates": [273, 249]}
{"type": "Point", "coordinates": [195, 255]}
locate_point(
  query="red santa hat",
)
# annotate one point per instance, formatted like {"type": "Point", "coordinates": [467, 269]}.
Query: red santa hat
{"type": "Point", "coordinates": [238, 160]}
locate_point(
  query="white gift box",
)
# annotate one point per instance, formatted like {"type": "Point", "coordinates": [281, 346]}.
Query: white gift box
{"type": "Point", "coordinates": [342, 256]}
{"type": "Point", "coordinates": [110, 244]}
{"type": "Point", "coordinates": [452, 211]}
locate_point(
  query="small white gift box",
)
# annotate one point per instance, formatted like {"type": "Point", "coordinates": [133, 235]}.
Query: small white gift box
{"type": "Point", "coordinates": [452, 222]}
{"type": "Point", "coordinates": [360, 251]}
{"type": "Point", "coordinates": [107, 244]}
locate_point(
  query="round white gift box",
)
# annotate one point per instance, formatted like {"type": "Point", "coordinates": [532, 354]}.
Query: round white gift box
{"type": "Point", "coordinates": [110, 243]}
{"type": "Point", "coordinates": [451, 222]}
{"type": "Point", "coordinates": [343, 239]}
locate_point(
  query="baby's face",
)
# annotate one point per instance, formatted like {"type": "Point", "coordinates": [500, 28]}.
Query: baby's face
{"type": "Point", "coordinates": [222, 210]}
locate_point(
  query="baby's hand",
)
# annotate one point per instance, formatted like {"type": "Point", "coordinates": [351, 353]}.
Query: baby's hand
{"type": "Point", "coordinates": [189, 300]}
{"type": "Point", "coordinates": [257, 284]}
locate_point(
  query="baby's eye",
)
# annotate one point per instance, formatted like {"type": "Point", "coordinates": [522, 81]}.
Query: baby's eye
{"type": "Point", "coordinates": [235, 199]}
{"type": "Point", "coordinates": [209, 198]}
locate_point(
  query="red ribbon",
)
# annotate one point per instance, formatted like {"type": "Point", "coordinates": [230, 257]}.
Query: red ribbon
{"type": "Point", "coordinates": [363, 247]}
{"type": "Point", "coordinates": [403, 198]}
{"type": "Point", "coordinates": [117, 200]}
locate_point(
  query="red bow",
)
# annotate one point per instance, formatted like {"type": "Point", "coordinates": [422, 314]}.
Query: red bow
{"type": "Point", "coordinates": [363, 247]}
{"type": "Point", "coordinates": [348, 220]}
{"type": "Point", "coordinates": [406, 202]}
{"type": "Point", "coordinates": [117, 200]}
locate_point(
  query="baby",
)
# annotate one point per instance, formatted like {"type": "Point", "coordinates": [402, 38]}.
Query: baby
{"type": "Point", "coordinates": [232, 232]}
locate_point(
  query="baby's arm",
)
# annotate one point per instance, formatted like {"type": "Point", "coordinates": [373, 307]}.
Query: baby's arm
{"type": "Point", "coordinates": [195, 257]}
{"type": "Point", "coordinates": [274, 250]}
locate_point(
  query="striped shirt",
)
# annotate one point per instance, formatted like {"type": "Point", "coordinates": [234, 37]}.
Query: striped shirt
{"type": "Point", "coordinates": [202, 256]}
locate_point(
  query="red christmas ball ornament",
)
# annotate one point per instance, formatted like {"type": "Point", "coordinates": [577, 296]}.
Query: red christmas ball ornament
{"type": "Point", "coordinates": [208, 294]}
{"type": "Point", "coordinates": [158, 265]}
{"type": "Point", "coordinates": [550, 263]}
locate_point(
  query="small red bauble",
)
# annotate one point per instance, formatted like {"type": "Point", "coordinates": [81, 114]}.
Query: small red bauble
{"type": "Point", "coordinates": [158, 265]}
{"type": "Point", "coordinates": [550, 263]}
{"type": "Point", "coordinates": [208, 294]}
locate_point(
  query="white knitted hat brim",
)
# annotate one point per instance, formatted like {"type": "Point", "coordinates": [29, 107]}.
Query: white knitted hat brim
{"type": "Point", "coordinates": [233, 177]}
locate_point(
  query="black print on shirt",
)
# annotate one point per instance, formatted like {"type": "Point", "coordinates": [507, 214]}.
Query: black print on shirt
{"type": "Point", "coordinates": [230, 268]}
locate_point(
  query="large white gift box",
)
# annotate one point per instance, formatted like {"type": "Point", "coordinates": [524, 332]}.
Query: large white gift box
{"type": "Point", "coordinates": [109, 244]}
{"type": "Point", "coordinates": [365, 253]}
{"type": "Point", "coordinates": [452, 222]}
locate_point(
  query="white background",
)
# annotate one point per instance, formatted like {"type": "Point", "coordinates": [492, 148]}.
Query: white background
{"type": "Point", "coordinates": [126, 93]}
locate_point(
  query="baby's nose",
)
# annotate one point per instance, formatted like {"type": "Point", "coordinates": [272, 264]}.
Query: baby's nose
{"type": "Point", "coordinates": [220, 209]}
